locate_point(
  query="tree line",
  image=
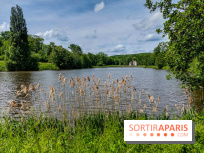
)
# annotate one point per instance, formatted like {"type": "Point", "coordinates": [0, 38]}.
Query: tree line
{"type": "Point", "coordinates": [73, 57]}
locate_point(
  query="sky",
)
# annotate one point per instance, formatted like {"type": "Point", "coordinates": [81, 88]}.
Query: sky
{"type": "Point", "coordinates": [115, 27]}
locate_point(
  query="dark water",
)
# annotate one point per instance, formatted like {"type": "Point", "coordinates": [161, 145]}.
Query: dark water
{"type": "Point", "coordinates": [150, 80]}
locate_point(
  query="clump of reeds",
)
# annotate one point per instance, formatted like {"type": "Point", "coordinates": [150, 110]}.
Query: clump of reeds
{"type": "Point", "coordinates": [85, 96]}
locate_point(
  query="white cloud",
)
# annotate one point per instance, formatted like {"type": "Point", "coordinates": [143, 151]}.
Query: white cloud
{"type": "Point", "coordinates": [153, 22]}
{"type": "Point", "coordinates": [150, 37]}
{"type": "Point", "coordinates": [54, 33]}
{"type": "Point", "coordinates": [4, 27]}
{"type": "Point", "coordinates": [99, 6]}
{"type": "Point", "coordinates": [119, 49]}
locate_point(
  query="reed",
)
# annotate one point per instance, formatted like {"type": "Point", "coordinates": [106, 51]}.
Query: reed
{"type": "Point", "coordinates": [85, 96]}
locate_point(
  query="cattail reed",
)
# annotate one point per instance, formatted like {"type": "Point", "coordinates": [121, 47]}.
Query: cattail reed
{"type": "Point", "coordinates": [85, 96]}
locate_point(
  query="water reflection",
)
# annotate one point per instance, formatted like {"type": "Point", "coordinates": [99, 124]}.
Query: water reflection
{"type": "Point", "coordinates": [198, 99]}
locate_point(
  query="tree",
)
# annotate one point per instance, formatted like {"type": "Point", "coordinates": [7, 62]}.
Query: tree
{"type": "Point", "coordinates": [184, 26]}
{"type": "Point", "coordinates": [4, 41]}
{"type": "Point", "coordinates": [61, 57]}
{"type": "Point", "coordinates": [93, 59]}
{"type": "Point", "coordinates": [101, 58]}
{"type": "Point", "coordinates": [6, 35]}
{"type": "Point", "coordinates": [35, 43]}
{"type": "Point", "coordinates": [160, 60]}
{"type": "Point", "coordinates": [76, 49]}
{"type": "Point", "coordinates": [18, 57]}
{"type": "Point", "coordinates": [86, 62]}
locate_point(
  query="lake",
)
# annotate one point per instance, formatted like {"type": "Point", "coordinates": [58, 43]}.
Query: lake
{"type": "Point", "coordinates": [146, 80]}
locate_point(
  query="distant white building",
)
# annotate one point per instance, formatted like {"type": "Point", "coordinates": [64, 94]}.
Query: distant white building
{"type": "Point", "coordinates": [133, 63]}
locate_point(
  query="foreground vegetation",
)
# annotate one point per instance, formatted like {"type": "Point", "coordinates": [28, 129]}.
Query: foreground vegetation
{"type": "Point", "coordinates": [98, 133]}
{"type": "Point", "coordinates": [88, 117]}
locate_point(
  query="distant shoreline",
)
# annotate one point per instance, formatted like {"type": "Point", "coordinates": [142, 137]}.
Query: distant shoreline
{"type": "Point", "coordinates": [49, 66]}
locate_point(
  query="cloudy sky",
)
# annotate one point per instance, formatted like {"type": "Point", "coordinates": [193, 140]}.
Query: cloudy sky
{"type": "Point", "coordinates": [111, 26]}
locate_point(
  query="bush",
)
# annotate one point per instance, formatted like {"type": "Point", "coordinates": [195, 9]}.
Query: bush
{"type": "Point", "coordinates": [34, 64]}
{"type": "Point", "coordinates": [2, 57]}
{"type": "Point", "coordinates": [100, 64]}
{"type": "Point", "coordinates": [36, 57]}
{"type": "Point", "coordinates": [160, 61]}
{"type": "Point", "coordinates": [10, 65]}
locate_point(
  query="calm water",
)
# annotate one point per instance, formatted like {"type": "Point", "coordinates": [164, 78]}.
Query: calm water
{"type": "Point", "coordinates": [150, 80]}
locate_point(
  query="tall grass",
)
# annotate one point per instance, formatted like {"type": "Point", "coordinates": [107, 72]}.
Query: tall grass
{"type": "Point", "coordinates": [96, 133]}
{"type": "Point", "coordinates": [77, 97]}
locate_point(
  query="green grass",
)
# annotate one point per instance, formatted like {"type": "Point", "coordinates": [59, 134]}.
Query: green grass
{"type": "Point", "coordinates": [47, 66]}
{"type": "Point", "coordinates": [154, 67]}
{"type": "Point", "coordinates": [100, 133]}
{"type": "Point", "coordinates": [143, 66]}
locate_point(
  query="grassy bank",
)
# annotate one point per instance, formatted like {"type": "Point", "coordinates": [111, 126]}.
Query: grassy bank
{"type": "Point", "coordinates": [154, 67]}
{"type": "Point", "coordinates": [143, 66]}
{"type": "Point", "coordinates": [47, 66]}
{"type": "Point", "coordinates": [42, 66]}
{"type": "Point", "coordinates": [110, 66]}
{"type": "Point", "coordinates": [50, 66]}
{"type": "Point", "coordinates": [99, 133]}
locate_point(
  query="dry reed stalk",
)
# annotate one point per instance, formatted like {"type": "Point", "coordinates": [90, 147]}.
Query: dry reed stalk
{"type": "Point", "coordinates": [119, 107]}
{"type": "Point", "coordinates": [38, 87]}
{"type": "Point", "coordinates": [140, 95]}
{"type": "Point", "coordinates": [166, 110]}
{"type": "Point", "coordinates": [108, 78]}
{"type": "Point", "coordinates": [154, 109]}
{"type": "Point", "coordinates": [182, 109]}
{"type": "Point", "coordinates": [141, 110]}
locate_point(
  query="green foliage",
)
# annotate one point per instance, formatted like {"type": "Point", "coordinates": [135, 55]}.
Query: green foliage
{"type": "Point", "coordinates": [102, 58]}
{"type": "Point", "coordinates": [47, 66]}
{"type": "Point", "coordinates": [195, 67]}
{"type": "Point", "coordinates": [160, 60]}
{"type": "Point", "coordinates": [100, 64]}
{"type": "Point", "coordinates": [4, 41]}
{"type": "Point", "coordinates": [86, 62]}
{"type": "Point", "coordinates": [11, 65]}
{"type": "Point", "coordinates": [184, 26]}
{"type": "Point", "coordinates": [36, 56]}
{"type": "Point", "coordinates": [2, 66]}
{"type": "Point", "coordinates": [141, 58]}
{"type": "Point", "coordinates": [76, 49]}
{"type": "Point", "coordinates": [92, 58]}
{"type": "Point", "coordinates": [2, 57]}
{"type": "Point", "coordinates": [5, 35]}
{"type": "Point", "coordinates": [62, 57]}
{"type": "Point", "coordinates": [168, 77]}
{"type": "Point", "coordinates": [35, 43]}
